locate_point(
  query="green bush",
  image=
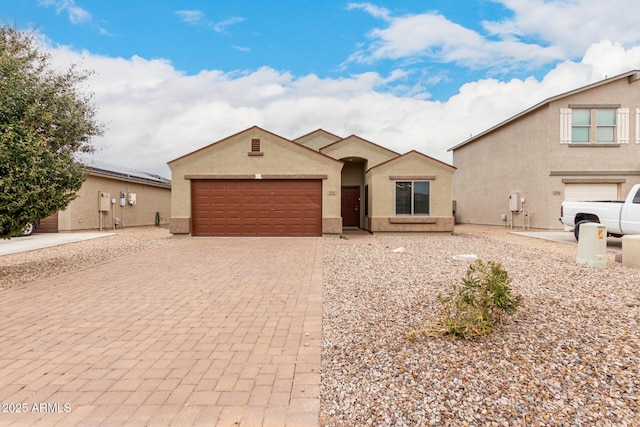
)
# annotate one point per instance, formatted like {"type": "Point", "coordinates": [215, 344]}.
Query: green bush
{"type": "Point", "coordinates": [479, 305]}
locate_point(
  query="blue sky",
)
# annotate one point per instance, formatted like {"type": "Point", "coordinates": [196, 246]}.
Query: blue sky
{"type": "Point", "coordinates": [172, 76]}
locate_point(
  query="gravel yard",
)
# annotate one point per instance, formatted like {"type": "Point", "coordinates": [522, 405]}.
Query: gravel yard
{"type": "Point", "coordinates": [570, 356]}
{"type": "Point", "coordinates": [20, 268]}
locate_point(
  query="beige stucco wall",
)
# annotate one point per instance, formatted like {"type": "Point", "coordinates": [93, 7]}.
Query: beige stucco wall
{"type": "Point", "coordinates": [526, 156]}
{"type": "Point", "coordinates": [513, 160]}
{"type": "Point", "coordinates": [353, 174]}
{"type": "Point", "coordinates": [317, 139]}
{"type": "Point", "coordinates": [82, 213]}
{"type": "Point", "coordinates": [229, 158]}
{"type": "Point", "coordinates": [358, 148]}
{"type": "Point", "coordinates": [411, 166]}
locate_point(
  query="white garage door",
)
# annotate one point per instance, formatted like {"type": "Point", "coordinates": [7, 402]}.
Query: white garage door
{"type": "Point", "coordinates": [590, 192]}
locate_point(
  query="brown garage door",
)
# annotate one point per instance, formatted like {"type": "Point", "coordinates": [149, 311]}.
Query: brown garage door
{"type": "Point", "coordinates": [256, 207]}
{"type": "Point", "coordinates": [48, 224]}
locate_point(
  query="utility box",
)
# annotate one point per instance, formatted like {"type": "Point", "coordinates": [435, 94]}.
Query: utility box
{"type": "Point", "coordinates": [104, 201]}
{"type": "Point", "coordinates": [515, 203]}
{"type": "Point", "coordinates": [592, 245]}
{"type": "Point", "coordinates": [631, 251]}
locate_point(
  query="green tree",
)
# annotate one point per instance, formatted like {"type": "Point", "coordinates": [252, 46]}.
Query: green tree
{"type": "Point", "coordinates": [46, 121]}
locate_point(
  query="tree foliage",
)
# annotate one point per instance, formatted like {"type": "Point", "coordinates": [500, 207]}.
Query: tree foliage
{"type": "Point", "coordinates": [46, 121]}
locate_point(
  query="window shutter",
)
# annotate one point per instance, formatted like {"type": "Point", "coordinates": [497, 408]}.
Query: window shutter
{"type": "Point", "coordinates": [565, 125]}
{"type": "Point", "coordinates": [637, 125]}
{"type": "Point", "coordinates": [622, 122]}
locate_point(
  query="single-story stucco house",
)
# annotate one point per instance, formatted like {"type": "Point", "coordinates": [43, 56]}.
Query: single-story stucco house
{"type": "Point", "coordinates": [258, 183]}
{"type": "Point", "coordinates": [113, 196]}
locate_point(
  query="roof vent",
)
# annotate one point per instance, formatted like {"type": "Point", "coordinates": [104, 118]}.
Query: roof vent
{"type": "Point", "coordinates": [255, 147]}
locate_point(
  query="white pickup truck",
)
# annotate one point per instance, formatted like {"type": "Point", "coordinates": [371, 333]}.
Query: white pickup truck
{"type": "Point", "coordinates": [619, 216]}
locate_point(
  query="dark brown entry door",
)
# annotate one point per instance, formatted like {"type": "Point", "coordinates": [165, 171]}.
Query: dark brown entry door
{"type": "Point", "coordinates": [351, 206]}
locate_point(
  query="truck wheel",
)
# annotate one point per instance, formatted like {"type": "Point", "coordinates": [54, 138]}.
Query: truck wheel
{"type": "Point", "coordinates": [576, 230]}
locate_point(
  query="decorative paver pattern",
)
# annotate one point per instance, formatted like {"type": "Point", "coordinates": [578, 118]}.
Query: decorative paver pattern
{"type": "Point", "coordinates": [202, 331]}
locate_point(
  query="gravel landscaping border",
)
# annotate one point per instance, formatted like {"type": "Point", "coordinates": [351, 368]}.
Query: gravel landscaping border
{"type": "Point", "coordinates": [570, 356]}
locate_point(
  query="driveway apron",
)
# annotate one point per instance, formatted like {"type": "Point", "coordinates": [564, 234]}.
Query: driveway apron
{"type": "Point", "coordinates": [203, 331]}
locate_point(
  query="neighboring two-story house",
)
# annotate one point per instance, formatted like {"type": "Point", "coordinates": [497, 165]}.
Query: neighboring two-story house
{"type": "Point", "coordinates": [580, 145]}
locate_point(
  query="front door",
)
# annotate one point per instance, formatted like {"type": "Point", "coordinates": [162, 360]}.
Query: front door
{"type": "Point", "coordinates": [351, 206]}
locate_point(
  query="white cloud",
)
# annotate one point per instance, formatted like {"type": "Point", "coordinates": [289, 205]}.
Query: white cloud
{"type": "Point", "coordinates": [76, 14]}
{"type": "Point", "coordinates": [198, 18]}
{"type": "Point", "coordinates": [431, 35]}
{"type": "Point", "coordinates": [156, 113]}
{"type": "Point", "coordinates": [193, 17]}
{"type": "Point", "coordinates": [221, 27]}
{"type": "Point", "coordinates": [571, 25]}
{"type": "Point", "coordinates": [371, 9]}
{"type": "Point", "coordinates": [540, 32]}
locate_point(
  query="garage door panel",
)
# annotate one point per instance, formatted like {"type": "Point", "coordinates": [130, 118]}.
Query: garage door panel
{"type": "Point", "coordinates": [257, 207]}
{"type": "Point", "coordinates": [590, 192]}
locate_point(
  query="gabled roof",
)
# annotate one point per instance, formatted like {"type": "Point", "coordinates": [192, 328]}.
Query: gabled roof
{"type": "Point", "coordinates": [412, 152]}
{"type": "Point", "coordinates": [108, 170]}
{"type": "Point", "coordinates": [318, 131]}
{"type": "Point", "coordinates": [345, 140]}
{"type": "Point", "coordinates": [228, 138]}
{"type": "Point", "coordinates": [631, 75]}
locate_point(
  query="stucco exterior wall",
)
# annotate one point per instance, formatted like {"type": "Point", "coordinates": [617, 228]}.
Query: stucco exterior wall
{"type": "Point", "coordinates": [514, 159]}
{"type": "Point", "coordinates": [353, 174]}
{"type": "Point", "coordinates": [230, 158]}
{"type": "Point", "coordinates": [357, 148]}
{"type": "Point", "coordinates": [317, 139]}
{"type": "Point", "coordinates": [411, 166]}
{"type": "Point", "coordinates": [82, 213]}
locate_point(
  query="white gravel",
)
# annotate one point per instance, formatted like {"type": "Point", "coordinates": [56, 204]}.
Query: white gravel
{"type": "Point", "coordinates": [569, 357]}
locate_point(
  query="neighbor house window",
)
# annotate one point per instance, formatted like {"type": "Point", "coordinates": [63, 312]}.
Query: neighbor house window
{"type": "Point", "coordinates": [412, 197]}
{"type": "Point", "coordinates": [583, 129]}
{"type": "Point", "coordinates": [580, 125]}
{"type": "Point", "coordinates": [605, 125]}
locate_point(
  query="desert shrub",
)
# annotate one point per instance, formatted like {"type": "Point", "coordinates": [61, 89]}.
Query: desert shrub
{"type": "Point", "coordinates": [479, 305]}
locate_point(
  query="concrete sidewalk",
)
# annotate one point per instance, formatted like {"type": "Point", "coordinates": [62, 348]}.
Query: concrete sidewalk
{"type": "Point", "coordinates": [202, 331]}
{"type": "Point", "coordinates": [44, 240]}
{"type": "Point", "coordinates": [613, 244]}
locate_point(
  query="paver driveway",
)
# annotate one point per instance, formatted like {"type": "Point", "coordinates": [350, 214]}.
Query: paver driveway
{"type": "Point", "coordinates": [202, 331]}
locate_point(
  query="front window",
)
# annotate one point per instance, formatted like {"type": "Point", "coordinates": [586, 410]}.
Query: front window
{"type": "Point", "coordinates": [583, 131]}
{"type": "Point", "coordinates": [412, 197]}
